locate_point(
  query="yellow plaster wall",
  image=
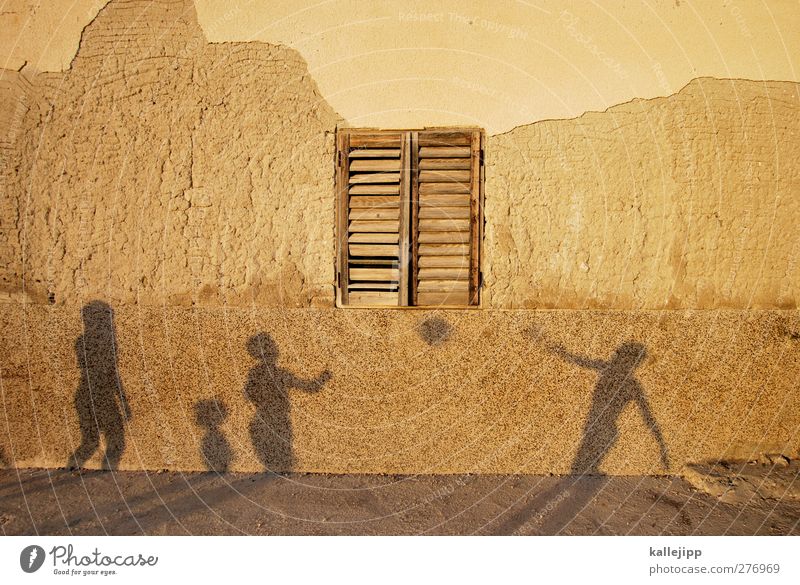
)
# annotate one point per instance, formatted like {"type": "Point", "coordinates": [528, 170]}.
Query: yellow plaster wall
{"type": "Point", "coordinates": [409, 63]}
{"type": "Point", "coordinates": [190, 186]}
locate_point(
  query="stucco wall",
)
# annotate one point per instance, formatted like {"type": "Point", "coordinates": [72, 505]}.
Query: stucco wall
{"type": "Point", "coordinates": [410, 63]}
{"type": "Point", "coordinates": [163, 169]}
{"type": "Point", "coordinates": [183, 182]}
{"type": "Point", "coordinates": [690, 201]}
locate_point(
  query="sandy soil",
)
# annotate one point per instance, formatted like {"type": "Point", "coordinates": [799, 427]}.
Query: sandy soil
{"type": "Point", "coordinates": [94, 502]}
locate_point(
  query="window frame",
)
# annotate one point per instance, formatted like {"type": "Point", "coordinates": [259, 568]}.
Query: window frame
{"type": "Point", "coordinates": [409, 215]}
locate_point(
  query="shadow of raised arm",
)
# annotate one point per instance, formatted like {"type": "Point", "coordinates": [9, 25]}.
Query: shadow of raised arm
{"type": "Point", "coordinates": [578, 360]}
{"type": "Point", "coordinates": [314, 385]}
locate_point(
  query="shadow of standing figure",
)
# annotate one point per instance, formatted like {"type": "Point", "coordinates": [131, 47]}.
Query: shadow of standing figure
{"type": "Point", "coordinates": [216, 450]}
{"type": "Point", "coordinates": [615, 388]}
{"type": "Point", "coordinates": [556, 508]}
{"type": "Point", "coordinates": [100, 399]}
{"type": "Point", "coordinates": [268, 389]}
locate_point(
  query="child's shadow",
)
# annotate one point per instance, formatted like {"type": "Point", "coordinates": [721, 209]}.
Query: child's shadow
{"type": "Point", "coordinates": [216, 450]}
{"type": "Point", "coordinates": [268, 389]}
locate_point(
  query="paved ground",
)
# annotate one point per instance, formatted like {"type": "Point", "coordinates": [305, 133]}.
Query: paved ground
{"type": "Point", "coordinates": [95, 502]}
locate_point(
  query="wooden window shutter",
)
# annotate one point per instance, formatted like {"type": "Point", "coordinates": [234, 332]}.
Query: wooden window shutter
{"type": "Point", "coordinates": [446, 217]}
{"type": "Point", "coordinates": [409, 217]}
{"type": "Point", "coordinates": [373, 218]}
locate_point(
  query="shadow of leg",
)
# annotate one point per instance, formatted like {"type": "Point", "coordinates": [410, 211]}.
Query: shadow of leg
{"type": "Point", "coordinates": [115, 446]}
{"type": "Point", "coordinates": [90, 441]}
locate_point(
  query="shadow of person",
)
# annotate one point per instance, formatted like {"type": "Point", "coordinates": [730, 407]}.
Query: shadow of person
{"type": "Point", "coordinates": [267, 388]}
{"type": "Point", "coordinates": [616, 387]}
{"type": "Point", "coordinates": [100, 399]}
{"type": "Point", "coordinates": [216, 450]}
{"type": "Point", "coordinates": [554, 509]}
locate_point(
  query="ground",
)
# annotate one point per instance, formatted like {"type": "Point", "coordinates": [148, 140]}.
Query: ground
{"type": "Point", "coordinates": [745, 500]}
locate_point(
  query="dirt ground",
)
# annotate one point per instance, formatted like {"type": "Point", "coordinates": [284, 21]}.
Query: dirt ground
{"type": "Point", "coordinates": [748, 500]}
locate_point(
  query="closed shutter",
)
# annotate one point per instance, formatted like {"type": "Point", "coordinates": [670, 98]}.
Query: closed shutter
{"type": "Point", "coordinates": [409, 217]}
{"type": "Point", "coordinates": [373, 218]}
{"type": "Point", "coordinates": [446, 217]}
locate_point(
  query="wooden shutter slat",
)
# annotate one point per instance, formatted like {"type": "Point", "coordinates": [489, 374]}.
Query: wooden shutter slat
{"type": "Point", "coordinates": [455, 298]}
{"type": "Point", "coordinates": [374, 226]}
{"type": "Point", "coordinates": [363, 178]}
{"type": "Point", "coordinates": [426, 274]}
{"type": "Point", "coordinates": [444, 176]}
{"type": "Point", "coordinates": [443, 249]}
{"type": "Point", "coordinates": [387, 189]}
{"type": "Point", "coordinates": [374, 238]}
{"type": "Point", "coordinates": [376, 261]}
{"type": "Point", "coordinates": [369, 201]}
{"type": "Point", "coordinates": [444, 212]}
{"type": "Point", "coordinates": [378, 274]}
{"type": "Point", "coordinates": [444, 200]}
{"type": "Point", "coordinates": [455, 261]}
{"type": "Point", "coordinates": [375, 165]}
{"type": "Point", "coordinates": [444, 152]}
{"type": "Point", "coordinates": [427, 164]}
{"type": "Point", "coordinates": [375, 153]}
{"type": "Point", "coordinates": [373, 286]}
{"type": "Point", "coordinates": [444, 238]}
{"type": "Point", "coordinates": [444, 225]}
{"type": "Point", "coordinates": [433, 138]}
{"type": "Point", "coordinates": [372, 213]}
{"type": "Point", "coordinates": [380, 250]}
{"type": "Point", "coordinates": [376, 140]}
{"type": "Point", "coordinates": [440, 188]}
{"type": "Point", "coordinates": [370, 298]}
{"type": "Point", "coordinates": [444, 286]}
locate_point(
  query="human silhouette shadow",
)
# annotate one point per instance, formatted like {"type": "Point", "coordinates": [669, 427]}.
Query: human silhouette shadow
{"type": "Point", "coordinates": [268, 388]}
{"type": "Point", "coordinates": [100, 399]}
{"type": "Point", "coordinates": [615, 388]}
{"type": "Point", "coordinates": [216, 450]}
{"type": "Point", "coordinates": [554, 509]}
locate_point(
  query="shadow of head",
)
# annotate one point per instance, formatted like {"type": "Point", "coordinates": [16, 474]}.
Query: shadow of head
{"type": "Point", "coordinates": [210, 413]}
{"type": "Point", "coordinates": [435, 331]}
{"type": "Point", "coordinates": [629, 356]}
{"type": "Point", "coordinates": [97, 315]}
{"type": "Point", "coordinates": [262, 347]}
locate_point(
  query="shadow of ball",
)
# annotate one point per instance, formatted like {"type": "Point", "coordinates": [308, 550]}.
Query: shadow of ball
{"type": "Point", "coordinates": [435, 331]}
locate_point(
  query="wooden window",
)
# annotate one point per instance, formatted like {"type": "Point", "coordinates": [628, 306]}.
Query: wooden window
{"type": "Point", "coordinates": [409, 217]}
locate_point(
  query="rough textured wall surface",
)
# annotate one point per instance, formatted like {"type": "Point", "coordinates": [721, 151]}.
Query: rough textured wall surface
{"type": "Point", "coordinates": [403, 391]}
{"type": "Point", "coordinates": [690, 201]}
{"type": "Point", "coordinates": [163, 169]}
